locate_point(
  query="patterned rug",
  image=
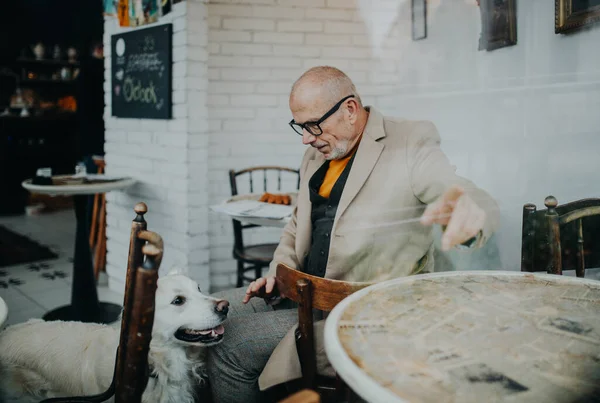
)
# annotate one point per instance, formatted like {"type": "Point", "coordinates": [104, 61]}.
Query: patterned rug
{"type": "Point", "coordinates": [18, 249]}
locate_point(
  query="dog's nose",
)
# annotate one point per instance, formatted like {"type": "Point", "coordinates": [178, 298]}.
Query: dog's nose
{"type": "Point", "coordinates": [222, 307]}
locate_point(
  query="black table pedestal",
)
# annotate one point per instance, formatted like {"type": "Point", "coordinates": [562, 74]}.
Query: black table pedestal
{"type": "Point", "coordinates": [84, 306]}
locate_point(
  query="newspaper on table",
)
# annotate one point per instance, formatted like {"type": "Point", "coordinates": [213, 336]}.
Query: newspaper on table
{"type": "Point", "coordinates": [253, 208]}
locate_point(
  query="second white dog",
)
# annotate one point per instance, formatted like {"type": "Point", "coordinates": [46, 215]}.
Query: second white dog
{"type": "Point", "coordinates": [41, 359]}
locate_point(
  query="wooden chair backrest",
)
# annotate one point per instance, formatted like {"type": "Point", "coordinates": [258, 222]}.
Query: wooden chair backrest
{"type": "Point", "coordinates": [310, 292]}
{"type": "Point", "coordinates": [559, 238]}
{"type": "Point", "coordinates": [131, 368]}
{"type": "Point", "coordinates": [238, 227]}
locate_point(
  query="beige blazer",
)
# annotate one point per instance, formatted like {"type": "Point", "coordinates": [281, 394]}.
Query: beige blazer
{"type": "Point", "coordinates": [399, 168]}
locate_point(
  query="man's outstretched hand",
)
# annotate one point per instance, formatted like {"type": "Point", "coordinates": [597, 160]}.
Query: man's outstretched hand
{"type": "Point", "coordinates": [456, 210]}
{"type": "Point", "coordinates": [261, 287]}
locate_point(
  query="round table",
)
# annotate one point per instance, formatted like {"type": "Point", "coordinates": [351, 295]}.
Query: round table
{"type": "Point", "coordinates": [477, 336]}
{"type": "Point", "coordinates": [3, 312]}
{"type": "Point", "coordinates": [85, 306]}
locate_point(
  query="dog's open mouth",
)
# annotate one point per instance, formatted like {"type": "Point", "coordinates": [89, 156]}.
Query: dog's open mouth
{"type": "Point", "coordinates": [200, 336]}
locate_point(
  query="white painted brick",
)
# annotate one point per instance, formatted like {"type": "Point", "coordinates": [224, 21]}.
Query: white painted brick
{"type": "Point", "coordinates": [329, 14]}
{"type": "Point", "coordinates": [214, 48]}
{"type": "Point", "coordinates": [197, 39]}
{"type": "Point", "coordinates": [179, 24]}
{"type": "Point", "coordinates": [302, 3]}
{"type": "Point", "coordinates": [179, 38]}
{"type": "Point", "coordinates": [198, 140]}
{"type": "Point", "coordinates": [179, 53]}
{"type": "Point", "coordinates": [244, 74]}
{"type": "Point", "coordinates": [232, 113]}
{"type": "Point", "coordinates": [335, 27]}
{"type": "Point", "coordinates": [177, 139]}
{"type": "Point", "coordinates": [341, 64]}
{"type": "Point", "coordinates": [197, 83]}
{"type": "Point", "coordinates": [254, 100]}
{"type": "Point", "coordinates": [300, 26]}
{"type": "Point", "coordinates": [178, 97]}
{"type": "Point", "coordinates": [274, 88]}
{"type": "Point", "coordinates": [328, 39]}
{"type": "Point", "coordinates": [196, 11]}
{"type": "Point", "coordinates": [279, 37]}
{"type": "Point", "coordinates": [297, 51]}
{"type": "Point", "coordinates": [214, 73]}
{"type": "Point", "coordinates": [229, 61]}
{"type": "Point", "coordinates": [230, 10]}
{"type": "Point", "coordinates": [272, 2]}
{"type": "Point", "coordinates": [257, 24]}
{"type": "Point", "coordinates": [220, 87]}
{"type": "Point", "coordinates": [139, 137]}
{"type": "Point", "coordinates": [197, 53]}
{"type": "Point", "coordinates": [214, 21]}
{"type": "Point", "coordinates": [179, 69]}
{"type": "Point", "coordinates": [218, 100]}
{"type": "Point", "coordinates": [341, 4]}
{"type": "Point", "coordinates": [253, 49]}
{"type": "Point", "coordinates": [175, 168]}
{"type": "Point", "coordinates": [178, 125]}
{"type": "Point", "coordinates": [347, 52]}
{"type": "Point", "coordinates": [266, 61]}
{"type": "Point", "coordinates": [179, 111]}
{"type": "Point", "coordinates": [217, 35]}
{"type": "Point", "coordinates": [289, 75]}
{"type": "Point", "coordinates": [215, 125]}
{"type": "Point", "coordinates": [286, 13]}
{"type": "Point", "coordinates": [197, 69]}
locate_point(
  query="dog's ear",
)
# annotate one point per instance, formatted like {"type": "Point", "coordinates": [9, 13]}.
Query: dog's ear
{"type": "Point", "coordinates": [175, 270]}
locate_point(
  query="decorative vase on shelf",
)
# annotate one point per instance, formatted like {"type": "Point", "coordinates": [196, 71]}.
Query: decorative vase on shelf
{"type": "Point", "coordinates": [72, 54]}
{"type": "Point", "coordinates": [38, 51]}
{"type": "Point", "coordinates": [57, 54]}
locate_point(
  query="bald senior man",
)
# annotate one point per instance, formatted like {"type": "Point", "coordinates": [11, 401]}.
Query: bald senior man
{"type": "Point", "coordinates": [371, 188]}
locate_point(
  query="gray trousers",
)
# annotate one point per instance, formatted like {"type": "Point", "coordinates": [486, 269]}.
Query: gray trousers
{"type": "Point", "coordinates": [252, 332]}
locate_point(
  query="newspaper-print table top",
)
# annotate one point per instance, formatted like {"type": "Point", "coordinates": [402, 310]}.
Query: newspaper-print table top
{"type": "Point", "coordinates": [470, 337]}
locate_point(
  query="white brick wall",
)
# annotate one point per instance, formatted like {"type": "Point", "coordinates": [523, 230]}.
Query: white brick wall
{"type": "Point", "coordinates": [258, 47]}
{"type": "Point", "coordinates": [231, 89]}
{"type": "Point", "coordinates": [169, 158]}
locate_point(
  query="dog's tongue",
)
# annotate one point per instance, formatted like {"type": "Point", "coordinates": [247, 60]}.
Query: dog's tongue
{"type": "Point", "coordinates": [219, 329]}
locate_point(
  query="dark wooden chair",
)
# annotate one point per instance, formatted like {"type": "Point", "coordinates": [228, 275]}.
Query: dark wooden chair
{"type": "Point", "coordinates": [131, 366]}
{"type": "Point", "coordinates": [257, 256]}
{"type": "Point", "coordinates": [314, 293]}
{"type": "Point", "coordinates": [559, 238]}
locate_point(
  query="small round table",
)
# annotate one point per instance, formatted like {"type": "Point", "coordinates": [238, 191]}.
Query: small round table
{"type": "Point", "coordinates": [477, 336]}
{"type": "Point", "coordinates": [261, 221]}
{"type": "Point", "coordinates": [3, 312]}
{"type": "Point", "coordinates": [85, 306]}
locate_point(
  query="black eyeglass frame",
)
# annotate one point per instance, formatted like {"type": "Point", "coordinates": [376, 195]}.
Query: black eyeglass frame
{"type": "Point", "coordinates": [317, 123]}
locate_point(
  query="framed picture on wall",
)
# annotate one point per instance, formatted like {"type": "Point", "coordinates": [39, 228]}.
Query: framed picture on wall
{"type": "Point", "coordinates": [570, 15]}
{"type": "Point", "coordinates": [419, 19]}
{"type": "Point", "coordinates": [498, 24]}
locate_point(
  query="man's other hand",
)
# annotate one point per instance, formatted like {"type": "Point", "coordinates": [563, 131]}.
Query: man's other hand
{"type": "Point", "coordinates": [261, 287]}
{"type": "Point", "coordinates": [456, 210]}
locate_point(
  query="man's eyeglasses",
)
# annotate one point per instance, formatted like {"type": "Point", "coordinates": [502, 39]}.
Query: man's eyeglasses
{"type": "Point", "coordinates": [314, 128]}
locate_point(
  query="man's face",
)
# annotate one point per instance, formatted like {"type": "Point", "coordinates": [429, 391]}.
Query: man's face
{"type": "Point", "coordinates": [337, 130]}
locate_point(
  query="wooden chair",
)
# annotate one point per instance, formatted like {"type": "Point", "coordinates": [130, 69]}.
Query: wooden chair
{"type": "Point", "coordinates": [131, 366]}
{"type": "Point", "coordinates": [311, 292]}
{"type": "Point", "coordinates": [257, 256]}
{"type": "Point", "coordinates": [98, 227]}
{"type": "Point", "coordinates": [561, 238]}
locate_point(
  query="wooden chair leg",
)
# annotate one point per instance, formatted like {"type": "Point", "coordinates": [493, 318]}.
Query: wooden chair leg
{"type": "Point", "coordinates": [100, 255]}
{"type": "Point", "coordinates": [240, 273]}
{"type": "Point", "coordinates": [94, 225]}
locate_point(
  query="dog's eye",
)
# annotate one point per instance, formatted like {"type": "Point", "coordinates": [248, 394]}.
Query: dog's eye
{"type": "Point", "coordinates": [179, 300]}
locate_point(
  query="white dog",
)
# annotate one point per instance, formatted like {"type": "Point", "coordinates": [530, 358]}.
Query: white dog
{"type": "Point", "coordinates": [41, 359]}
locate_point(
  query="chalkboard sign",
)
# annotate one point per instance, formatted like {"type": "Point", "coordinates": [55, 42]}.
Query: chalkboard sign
{"type": "Point", "coordinates": [141, 73]}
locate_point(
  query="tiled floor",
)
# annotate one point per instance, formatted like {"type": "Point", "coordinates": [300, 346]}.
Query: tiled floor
{"type": "Point", "coordinates": [30, 290]}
